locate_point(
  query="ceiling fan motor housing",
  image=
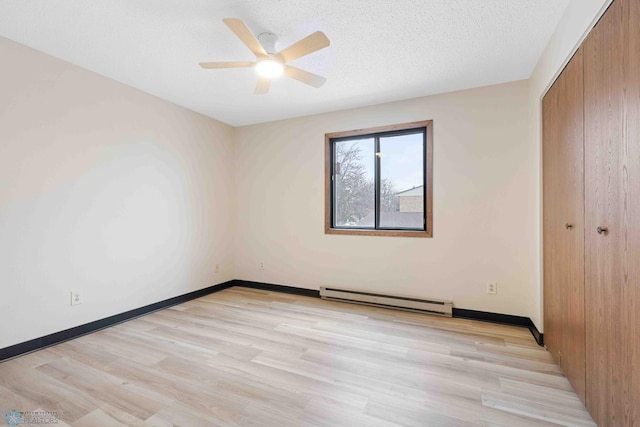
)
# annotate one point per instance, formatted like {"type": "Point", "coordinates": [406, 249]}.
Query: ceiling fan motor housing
{"type": "Point", "coordinates": [268, 41]}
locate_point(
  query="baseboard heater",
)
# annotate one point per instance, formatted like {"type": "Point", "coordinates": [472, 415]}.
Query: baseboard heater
{"type": "Point", "coordinates": [398, 302]}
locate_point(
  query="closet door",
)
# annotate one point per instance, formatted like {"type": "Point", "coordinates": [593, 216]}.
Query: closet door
{"type": "Point", "coordinates": [572, 208]}
{"type": "Point", "coordinates": [612, 233]}
{"type": "Point", "coordinates": [552, 218]}
{"type": "Point", "coordinates": [563, 178]}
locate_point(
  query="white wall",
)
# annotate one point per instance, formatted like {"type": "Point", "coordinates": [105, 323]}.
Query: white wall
{"type": "Point", "coordinates": [484, 204]}
{"type": "Point", "coordinates": [577, 21]}
{"type": "Point", "coordinates": [105, 189]}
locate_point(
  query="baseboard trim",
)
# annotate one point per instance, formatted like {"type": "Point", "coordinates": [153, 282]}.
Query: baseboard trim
{"type": "Point", "coordinates": [503, 319]}
{"type": "Point", "coordinates": [537, 335]}
{"type": "Point", "coordinates": [78, 331]}
{"type": "Point", "coordinates": [278, 288]}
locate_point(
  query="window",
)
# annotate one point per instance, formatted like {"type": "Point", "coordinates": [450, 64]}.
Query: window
{"type": "Point", "coordinates": [379, 181]}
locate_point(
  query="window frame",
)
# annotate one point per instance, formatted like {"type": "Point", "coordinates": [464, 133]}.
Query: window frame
{"type": "Point", "coordinates": [377, 132]}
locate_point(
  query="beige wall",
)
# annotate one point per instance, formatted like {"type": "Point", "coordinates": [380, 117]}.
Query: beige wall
{"type": "Point", "coordinates": [131, 199]}
{"type": "Point", "coordinates": [578, 19]}
{"type": "Point", "coordinates": [484, 204]}
{"type": "Point", "coordinates": [105, 189]}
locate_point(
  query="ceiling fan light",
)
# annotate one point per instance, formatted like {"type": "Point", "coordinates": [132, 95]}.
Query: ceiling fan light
{"type": "Point", "coordinates": [269, 68]}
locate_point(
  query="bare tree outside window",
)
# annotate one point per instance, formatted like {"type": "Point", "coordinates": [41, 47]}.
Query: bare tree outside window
{"type": "Point", "coordinates": [355, 185]}
{"type": "Point", "coordinates": [353, 180]}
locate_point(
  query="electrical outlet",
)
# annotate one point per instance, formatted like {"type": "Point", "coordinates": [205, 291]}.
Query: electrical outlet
{"type": "Point", "coordinates": [492, 288]}
{"type": "Point", "coordinates": [261, 265]}
{"type": "Point", "coordinates": [76, 297]}
{"type": "Point", "coordinates": [217, 268]}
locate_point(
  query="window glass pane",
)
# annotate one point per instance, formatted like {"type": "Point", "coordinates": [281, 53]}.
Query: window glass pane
{"type": "Point", "coordinates": [354, 192]}
{"type": "Point", "coordinates": [401, 181]}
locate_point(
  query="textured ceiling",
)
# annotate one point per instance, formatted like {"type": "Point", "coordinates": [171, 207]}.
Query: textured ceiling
{"type": "Point", "coordinates": [381, 50]}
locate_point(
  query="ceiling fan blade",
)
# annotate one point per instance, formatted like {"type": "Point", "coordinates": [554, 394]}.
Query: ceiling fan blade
{"type": "Point", "coordinates": [307, 45]}
{"type": "Point", "coordinates": [263, 86]}
{"type": "Point", "coordinates": [245, 35]}
{"type": "Point", "coordinates": [226, 64]}
{"type": "Point", "coordinates": [304, 76]}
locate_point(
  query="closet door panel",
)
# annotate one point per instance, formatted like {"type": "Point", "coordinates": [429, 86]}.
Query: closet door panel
{"type": "Point", "coordinates": [563, 211]}
{"type": "Point", "coordinates": [572, 208]}
{"type": "Point", "coordinates": [602, 141]}
{"type": "Point", "coordinates": [552, 218]}
{"type": "Point", "coordinates": [612, 196]}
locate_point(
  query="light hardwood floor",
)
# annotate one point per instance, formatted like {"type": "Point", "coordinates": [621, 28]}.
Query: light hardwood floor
{"type": "Point", "coordinates": [250, 357]}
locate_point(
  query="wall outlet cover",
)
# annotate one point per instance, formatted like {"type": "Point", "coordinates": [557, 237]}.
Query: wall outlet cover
{"type": "Point", "coordinates": [492, 288]}
{"type": "Point", "coordinates": [76, 297]}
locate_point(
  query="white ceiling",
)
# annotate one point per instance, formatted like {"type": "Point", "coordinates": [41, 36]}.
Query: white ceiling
{"type": "Point", "coordinates": [381, 50]}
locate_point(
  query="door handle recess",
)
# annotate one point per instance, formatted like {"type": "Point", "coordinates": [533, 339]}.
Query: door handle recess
{"type": "Point", "coordinates": [568, 226]}
{"type": "Point", "coordinates": [602, 230]}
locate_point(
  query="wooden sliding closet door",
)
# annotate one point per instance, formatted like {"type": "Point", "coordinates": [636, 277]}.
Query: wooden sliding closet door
{"type": "Point", "coordinates": [563, 210]}
{"type": "Point", "coordinates": [552, 218]}
{"type": "Point", "coordinates": [612, 233]}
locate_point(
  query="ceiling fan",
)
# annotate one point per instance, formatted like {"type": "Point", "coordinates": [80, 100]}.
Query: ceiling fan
{"type": "Point", "coordinates": [269, 63]}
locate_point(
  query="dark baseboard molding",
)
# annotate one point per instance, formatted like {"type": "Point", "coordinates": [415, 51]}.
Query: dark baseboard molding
{"type": "Point", "coordinates": [87, 328]}
{"type": "Point", "coordinates": [492, 317]}
{"type": "Point", "coordinates": [537, 335]}
{"type": "Point", "coordinates": [278, 288]}
{"type": "Point", "coordinates": [504, 319]}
